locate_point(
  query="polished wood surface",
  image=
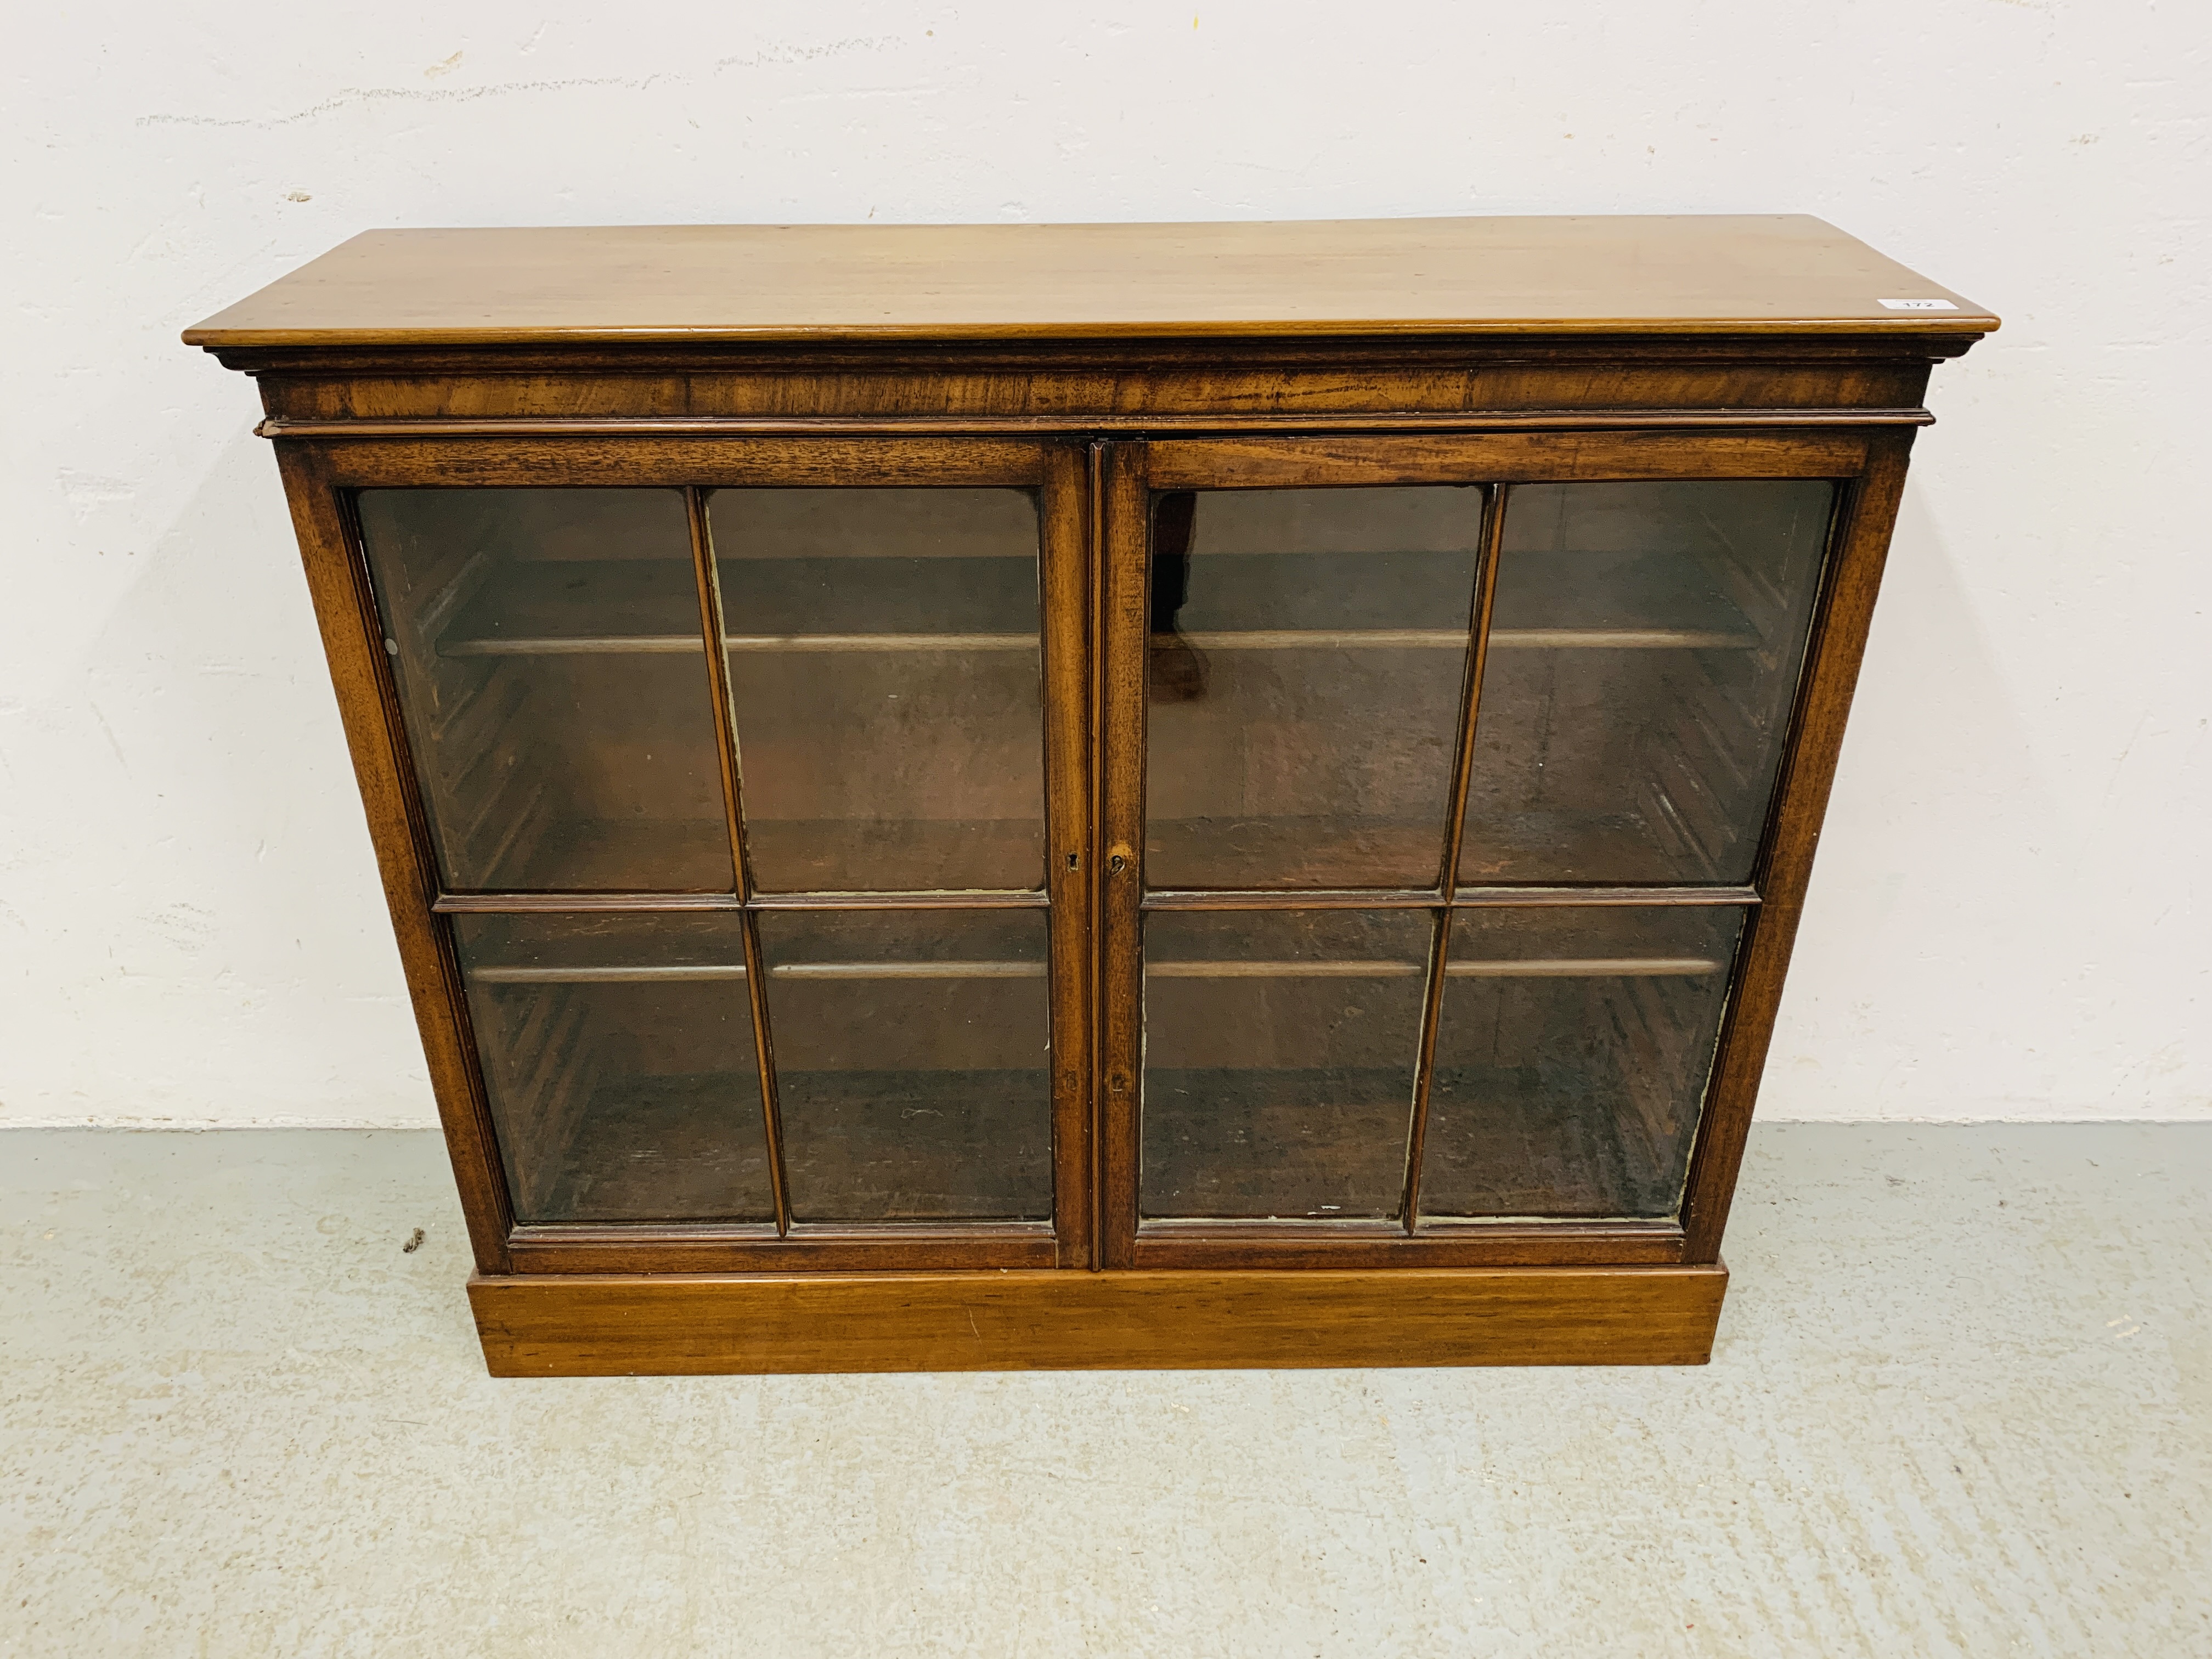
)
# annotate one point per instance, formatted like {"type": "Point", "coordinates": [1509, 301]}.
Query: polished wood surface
{"type": "Point", "coordinates": [1492, 382]}
{"type": "Point", "coordinates": [1781, 273]}
{"type": "Point", "coordinates": [1104, 371]}
{"type": "Point", "coordinates": [577, 1325]}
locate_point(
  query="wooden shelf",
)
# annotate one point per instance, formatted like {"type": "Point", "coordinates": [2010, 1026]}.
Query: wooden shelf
{"type": "Point", "coordinates": [789, 855]}
{"type": "Point", "coordinates": [548, 607]}
{"type": "Point", "coordinates": [616, 606]}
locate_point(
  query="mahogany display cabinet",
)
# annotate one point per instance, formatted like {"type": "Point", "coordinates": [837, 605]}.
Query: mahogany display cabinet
{"type": "Point", "coordinates": [1025, 796]}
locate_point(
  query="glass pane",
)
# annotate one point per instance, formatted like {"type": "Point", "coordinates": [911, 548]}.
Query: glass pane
{"type": "Point", "coordinates": [618, 1056]}
{"type": "Point", "coordinates": [1306, 666]}
{"type": "Point", "coordinates": [885, 664]}
{"type": "Point", "coordinates": [1571, 1058]}
{"type": "Point", "coordinates": [554, 688]}
{"type": "Point", "coordinates": [1645, 651]}
{"type": "Point", "coordinates": [912, 1064]}
{"type": "Point", "coordinates": [1279, 1060]}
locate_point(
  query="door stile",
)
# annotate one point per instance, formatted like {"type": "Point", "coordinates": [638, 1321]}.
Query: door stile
{"type": "Point", "coordinates": [1486, 593]}
{"type": "Point", "coordinates": [1066, 522]}
{"type": "Point", "coordinates": [1123, 638]}
{"type": "Point", "coordinates": [368, 709]}
{"type": "Point", "coordinates": [1859, 549]}
{"type": "Point", "coordinates": [1097, 456]}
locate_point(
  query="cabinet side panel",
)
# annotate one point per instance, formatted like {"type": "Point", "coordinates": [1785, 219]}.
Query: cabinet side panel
{"type": "Point", "coordinates": [1861, 546]}
{"type": "Point", "coordinates": [345, 614]}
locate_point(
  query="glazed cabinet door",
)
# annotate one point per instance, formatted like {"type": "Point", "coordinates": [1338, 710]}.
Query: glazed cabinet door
{"type": "Point", "coordinates": [750, 782]}
{"type": "Point", "coordinates": [1437, 775]}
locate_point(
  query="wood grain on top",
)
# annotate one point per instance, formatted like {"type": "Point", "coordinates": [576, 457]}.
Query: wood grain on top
{"type": "Point", "coordinates": [1775, 274]}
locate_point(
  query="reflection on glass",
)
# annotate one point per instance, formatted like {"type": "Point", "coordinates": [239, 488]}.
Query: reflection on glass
{"type": "Point", "coordinates": [1571, 1059]}
{"type": "Point", "coordinates": [885, 671]}
{"type": "Point", "coordinates": [1645, 651]}
{"type": "Point", "coordinates": [1306, 666]}
{"type": "Point", "coordinates": [618, 1059]}
{"type": "Point", "coordinates": [547, 644]}
{"type": "Point", "coordinates": [1280, 1049]}
{"type": "Point", "coordinates": [912, 1063]}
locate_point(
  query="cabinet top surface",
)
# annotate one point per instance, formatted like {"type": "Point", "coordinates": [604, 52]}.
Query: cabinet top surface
{"type": "Point", "coordinates": [1769, 274]}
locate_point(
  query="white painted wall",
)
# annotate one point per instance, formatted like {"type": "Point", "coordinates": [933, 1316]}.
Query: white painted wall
{"type": "Point", "coordinates": [2007, 920]}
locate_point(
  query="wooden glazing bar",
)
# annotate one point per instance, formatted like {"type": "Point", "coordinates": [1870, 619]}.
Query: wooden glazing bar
{"type": "Point", "coordinates": [559, 903]}
{"type": "Point", "coordinates": [1478, 637]}
{"type": "Point", "coordinates": [1503, 968]}
{"type": "Point", "coordinates": [1303, 970]}
{"type": "Point", "coordinates": [598, 903]}
{"type": "Point", "coordinates": [710, 606]}
{"type": "Point", "coordinates": [764, 1057]}
{"type": "Point", "coordinates": [604, 645]}
{"type": "Point", "coordinates": [353, 640]}
{"type": "Point", "coordinates": [653, 973]}
{"type": "Point", "coordinates": [677, 973]}
{"type": "Point", "coordinates": [954, 899]}
{"type": "Point", "coordinates": [1422, 898]}
{"type": "Point", "coordinates": [1433, 1000]}
{"type": "Point", "coordinates": [1280, 898]}
{"type": "Point", "coordinates": [1449, 639]}
{"type": "Point", "coordinates": [1478, 898]}
{"type": "Point", "coordinates": [1124, 629]}
{"type": "Point", "coordinates": [1859, 547]}
{"type": "Point", "coordinates": [718, 676]}
{"type": "Point", "coordinates": [1082, 423]}
{"type": "Point", "coordinates": [1586, 968]}
{"type": "Point", "coordinates": [1287, 463]}
{"type": "Point", "coordinates": [1064, 581]}
{"type": "Point", "coordinates": [1434, 973]}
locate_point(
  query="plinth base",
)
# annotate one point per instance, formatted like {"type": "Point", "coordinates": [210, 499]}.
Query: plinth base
{"type": "Point", "coordinates": [593, 1325]}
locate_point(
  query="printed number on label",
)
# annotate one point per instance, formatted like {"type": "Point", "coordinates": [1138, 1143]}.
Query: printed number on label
{"type": "Point", "coordinates": [1920, 305]}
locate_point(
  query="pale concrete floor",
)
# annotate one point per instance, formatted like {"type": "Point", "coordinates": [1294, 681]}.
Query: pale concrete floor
{"type": "Point", "coordinates": [1962, 1404]}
